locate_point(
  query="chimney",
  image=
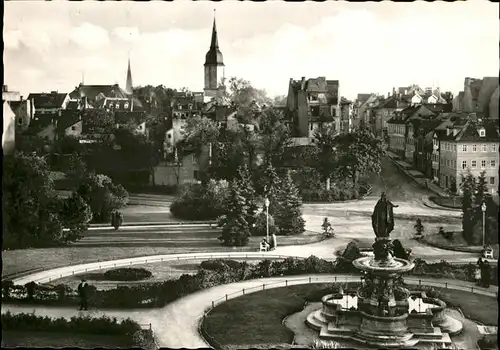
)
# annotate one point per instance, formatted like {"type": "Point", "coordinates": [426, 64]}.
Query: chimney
{"type": "Point", "coordinates": [5, 88]}
{"type": "Point", "coordinates": [388, 94]}
{"type": "Point", "coordinates": [53, 92]}
{"type": "Point", "coordinates": [303, 83]}
{"type": "Point", "coordinates": [394, 91]}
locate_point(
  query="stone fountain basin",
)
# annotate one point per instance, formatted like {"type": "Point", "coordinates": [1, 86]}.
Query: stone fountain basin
{"type": "Point", "coordinates": [394, 266]}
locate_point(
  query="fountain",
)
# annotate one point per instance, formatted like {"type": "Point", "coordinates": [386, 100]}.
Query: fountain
{"type": "Point", "coordinates": [381, 312]}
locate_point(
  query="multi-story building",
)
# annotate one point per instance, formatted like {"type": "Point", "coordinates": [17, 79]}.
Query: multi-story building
{"type": "Point", "coordinates": [9, 96]}
{"type": "Point", "coordinates": [346, 115]}
{"type": "Point", "coordinates": [467, 144]}
{"type": "Point", "coordinates": [312, 103]}
{"type": "Point", "coordinates": [478, 97]}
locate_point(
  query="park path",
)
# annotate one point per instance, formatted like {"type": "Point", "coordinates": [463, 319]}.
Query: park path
{"type": "Point", "coordinates": [177, 324]}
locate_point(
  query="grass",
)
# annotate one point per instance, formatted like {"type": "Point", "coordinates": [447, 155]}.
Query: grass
{"type": "Point", "coordinates": [457, 242]}
{"type": "Point", "coordinates": [59, 340]}
{"type": "Point", "coordinates": [257, 318]}
{"type": "Point", "coordinates": [259, 315]}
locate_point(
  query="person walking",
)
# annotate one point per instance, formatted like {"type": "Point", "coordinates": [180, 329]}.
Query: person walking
{"type": "Point", "coordinates": [485, 274]}
{"type": "Point", "coordinates": [83, 294]}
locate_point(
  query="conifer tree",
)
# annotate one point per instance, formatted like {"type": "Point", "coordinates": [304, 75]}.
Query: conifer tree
{"type": "Point", "coordinates": [288, 215]}
{"type": "Point", "coordinates": [481, 188]}
{"type": "Point", "coordinates": [467, 186]}
{"type": "Point", "coordinates": [247, 191]}
{"type": "Point", "coordinates": [235, 229]}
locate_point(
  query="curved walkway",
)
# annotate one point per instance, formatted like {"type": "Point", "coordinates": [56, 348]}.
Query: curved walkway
{"type": "Point", "coordinates": [176, 325]}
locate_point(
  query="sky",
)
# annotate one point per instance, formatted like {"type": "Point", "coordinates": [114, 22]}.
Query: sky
{"type": "Point", "coordinates": [368, 47]}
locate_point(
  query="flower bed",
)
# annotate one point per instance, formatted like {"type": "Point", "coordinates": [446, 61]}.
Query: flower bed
{"type": "Point", "coordinates": [127, 274]}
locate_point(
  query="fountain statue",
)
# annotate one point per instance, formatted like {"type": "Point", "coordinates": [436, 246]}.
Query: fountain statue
{"type": "Point", "coordinates": [382, 315]}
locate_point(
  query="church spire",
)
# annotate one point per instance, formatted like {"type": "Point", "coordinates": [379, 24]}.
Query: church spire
{"type": "Point", "coordinates": [128, 85]}
{"type": "Point", "coordinates": [215, 42]}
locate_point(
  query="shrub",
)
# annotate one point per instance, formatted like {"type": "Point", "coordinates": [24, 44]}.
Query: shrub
{"type": "Point", "coordinates": [87, 324]}
{"type": "Point", "coordinates": [127, 274]}
{"type": "Point", "coordinates": [201, 201]}
{"type": "Point", "coordinates": [213, 265]}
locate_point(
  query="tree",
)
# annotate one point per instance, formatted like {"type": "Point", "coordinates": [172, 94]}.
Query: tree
{"type": "Point", "coordinates": [324, 140]}
{"type": "Point", "coordinates": [235, 228]}
{"type": "Point", "coordinates": [467, 186]}
{"type": "Point", "coordinates": [200, 131]}
{"type": "Point", "coordinates": [245, 98]}
{"type": "Point", "coordinates": [31, 208]}
{"type": "Point", "coordinates": [359, 152]}
{"type": "Point", "coordinates": [288, 215]}
{"type": "Point", "coordinates": [75, 215]}
{"type": "Point", "coordinates": [103, 196]}
{"type": "Point", "coordinates": [481, 188]}
{"type": "Point", "coordinates": [274, 135]}
{"type": "Point", "coordinates": [244, 182]}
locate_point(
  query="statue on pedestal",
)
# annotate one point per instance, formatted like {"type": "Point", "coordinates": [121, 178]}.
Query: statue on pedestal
{"type": "Point", "coordinates": [383, 217]}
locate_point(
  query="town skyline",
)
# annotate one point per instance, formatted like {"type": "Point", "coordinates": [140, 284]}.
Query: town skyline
{"type": "Point", "coordinates": [54, 45]}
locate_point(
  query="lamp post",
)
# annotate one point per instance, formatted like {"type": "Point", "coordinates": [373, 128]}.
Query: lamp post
{"type": "Point", "coordinates": [266, 203]}
{"type": "Point", "coordinates": [483, 209]}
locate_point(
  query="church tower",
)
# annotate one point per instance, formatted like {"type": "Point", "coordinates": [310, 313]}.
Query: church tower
{"type": "Point", "coordinates": [214, 66]}
{"type": "Point", "coordinates": [128, 86]}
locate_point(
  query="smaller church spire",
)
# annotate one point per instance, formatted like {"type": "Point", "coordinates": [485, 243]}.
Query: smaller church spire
{"type": "Point", "coordinates": [215, 41]}
{"type": "Point", "coordinates": [128, 85]}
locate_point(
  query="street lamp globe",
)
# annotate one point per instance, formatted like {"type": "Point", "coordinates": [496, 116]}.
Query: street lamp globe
{"type": "Point", "coordinates": [483, 207]}
{"type": "Point", "coordinates": [266, 202]}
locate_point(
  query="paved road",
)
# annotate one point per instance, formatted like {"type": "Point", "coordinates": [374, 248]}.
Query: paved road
{"type": "Point", "coordinates": [176, 325]}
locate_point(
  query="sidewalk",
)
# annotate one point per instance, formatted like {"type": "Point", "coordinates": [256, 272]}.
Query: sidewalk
{"type": "Point", "coordinates": [417, 177]}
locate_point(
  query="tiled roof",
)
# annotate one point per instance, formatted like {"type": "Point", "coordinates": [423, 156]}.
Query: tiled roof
{"type": "Point", "coordinates": [92, 91]}
{"type": "Point", "coordinates": [363, 97]}
{"type": "Point", "coordinates": [73, 105]}
{"type": "Point", "coordinates": [470, 132]}
{"type": "Point", "coordinates": [67, 119]}
{"type": "Point", "coordinates": [438, 108]}
{"type": "Point", "coordinates": [48, 100]}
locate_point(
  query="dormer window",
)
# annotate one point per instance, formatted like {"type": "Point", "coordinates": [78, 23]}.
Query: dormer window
{"type": "Point", "coordinates": [482, 132]}
{"type": "Point", "coordinates": [117, 105]}
{"type": "Point", "coordinates": [125, 105]}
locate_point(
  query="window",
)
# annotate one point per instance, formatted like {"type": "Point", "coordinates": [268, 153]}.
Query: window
{"type": "Point", "coordinates": [125, 105]}
{"type": "Point", "coordinates": [493, 147]}
{"type": "Point", "coordinates": [117, 105]}
{"type": "Point", "coordinates": [464, 148]}
{"type": "Point", "coordinates": [464, 164]}
{"type": "Point", "coordinates": [455, 148]}
{"type": "Point", "coordinates": [483, 164]}
{"type": "Point", "coordinates": [73, 128]}
{"type": "Point", "coordinates": [474, 148]}
{"type": "Point", "coordinates": [196, 175]}
{"type": "Point", "coordinates": [483, 147]}
{"type": "Point", "coordinates": [492, 180]}
{"type": "Point", "coordinates": [311, 126]}
{"type": "Point", "coordinates": [169, 136]}
{"type": "Point", "coordinates": [492, 163]}
{"type": "Point", "coordinates": [473, 164]}
{"type": "Point", "coordinates": [482, 133]}
{"type": "Point", "coordinates": [20, 121]}
{"type": "Point", "coordinates": [195, 159]}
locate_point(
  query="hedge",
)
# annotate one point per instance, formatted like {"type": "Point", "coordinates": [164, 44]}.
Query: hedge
{"type": "Point", "coordinates": [212, 274]}
{"type": "Point", "coordinates": [81, 324]}
{"type": "Point", "coordinates": [335, 194]}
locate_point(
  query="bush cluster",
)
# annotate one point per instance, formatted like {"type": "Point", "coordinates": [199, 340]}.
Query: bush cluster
{"type": "Point", "coordinates": [86, 324]}
{"type": "Point", "coordinates": [127, 274]}
{"type": "Point", "coordinates": [201, 202]}
{"type": "Point", "coordinates": [217, 272]}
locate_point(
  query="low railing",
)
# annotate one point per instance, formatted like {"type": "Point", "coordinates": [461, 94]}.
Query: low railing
{"type": "Point", "coordinates": [326, 279]}
{"type": "Point", "coordinates": [48, 276]}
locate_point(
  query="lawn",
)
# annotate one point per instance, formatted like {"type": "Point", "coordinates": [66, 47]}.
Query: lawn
{"type": "Point", "coordinates": [458, 243]}
{"type": "Point", "coordinates": [253, 322]}
{"type": "Point", "coordinates": [257, 318]}
{"type": "Point", "coordinates": [34, 339]}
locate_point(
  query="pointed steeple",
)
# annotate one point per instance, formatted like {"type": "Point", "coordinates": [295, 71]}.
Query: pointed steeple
{"type": "Point", "coordinates": [214, 56]}
{"type": "Point", "coordinates": [214, 44]}
{"type": "Point", "coordinates": [128, 85]}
